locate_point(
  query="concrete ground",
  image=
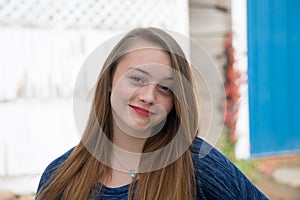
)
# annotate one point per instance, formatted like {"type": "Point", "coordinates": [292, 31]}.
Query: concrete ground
{"type": "Point", "coordinates": [280, 177]}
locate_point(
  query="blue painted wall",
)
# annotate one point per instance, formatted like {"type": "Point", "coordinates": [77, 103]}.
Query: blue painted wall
{"type": "Point", "coordinates": [274, 76]}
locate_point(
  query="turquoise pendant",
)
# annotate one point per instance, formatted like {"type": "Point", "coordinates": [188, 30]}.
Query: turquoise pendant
{"type": "Point", "coordinates": [132, 173]}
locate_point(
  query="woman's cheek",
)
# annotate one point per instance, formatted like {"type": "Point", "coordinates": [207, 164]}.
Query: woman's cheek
{"type": "Point", "coordinates": [123, 92]}
{"type": "Point", "coordinates": [167, 104]}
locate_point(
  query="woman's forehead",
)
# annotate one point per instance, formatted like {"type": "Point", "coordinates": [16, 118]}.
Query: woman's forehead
{"type": "Point", "coordinates": [144, 56]}
{"type": "Point", "coordinates": [153, 71]}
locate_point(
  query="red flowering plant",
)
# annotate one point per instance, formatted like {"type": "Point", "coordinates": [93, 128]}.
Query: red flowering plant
{"type": "Point", "coordinates": [232, 85]}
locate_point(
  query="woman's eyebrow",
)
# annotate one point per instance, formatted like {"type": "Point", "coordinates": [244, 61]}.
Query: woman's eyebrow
{"type": "Point", "coordinates": [168, 78]}
{"type": "Point", "coordinates": [147, 73]}
{"type": "Point", "coordinates": [140, 70]}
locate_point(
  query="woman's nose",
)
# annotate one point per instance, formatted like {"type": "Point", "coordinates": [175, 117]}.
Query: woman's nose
{"type": "Point", "coordinates": [147, 93]}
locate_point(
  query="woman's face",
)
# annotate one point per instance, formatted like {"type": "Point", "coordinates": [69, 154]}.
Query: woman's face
{"type": "Point", "coordinates": [141, 93]}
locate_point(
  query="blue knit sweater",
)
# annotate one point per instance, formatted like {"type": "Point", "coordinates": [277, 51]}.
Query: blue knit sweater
{"type": "Point", "coordinates": [216, 176]}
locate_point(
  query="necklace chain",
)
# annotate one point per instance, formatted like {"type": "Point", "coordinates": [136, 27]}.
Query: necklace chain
{"type": "Point", "coordinates": [132, 171]}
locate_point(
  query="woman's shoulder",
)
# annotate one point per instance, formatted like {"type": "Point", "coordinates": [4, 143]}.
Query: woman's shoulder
{"type": "Point", "coordinates": [202, 150]}
{"type": "Point", "coordinates": [59, 160]}
{"type": "Point", "coordinates": [209, 161]}
{"type": "Point", "coordinates": [217, 177]}
{"type": "Point", "coordinates": [51, 168]}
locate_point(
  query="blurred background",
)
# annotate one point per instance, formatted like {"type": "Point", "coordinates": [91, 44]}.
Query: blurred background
{"type": "Point", "coordinates": [254, 44]}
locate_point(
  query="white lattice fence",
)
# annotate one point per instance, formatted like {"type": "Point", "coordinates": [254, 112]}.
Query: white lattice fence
{"type": "Point", "coordinates": [103, 14]}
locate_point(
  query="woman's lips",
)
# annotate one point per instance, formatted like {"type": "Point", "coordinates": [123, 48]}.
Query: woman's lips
{"type": "Point", "coordinates": [141, 111]}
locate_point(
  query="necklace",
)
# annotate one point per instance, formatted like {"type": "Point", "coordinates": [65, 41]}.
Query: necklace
{"type": "Point", "coordinates": [132, 174]}
{"type": "Point", "coordinates": [131, 171]}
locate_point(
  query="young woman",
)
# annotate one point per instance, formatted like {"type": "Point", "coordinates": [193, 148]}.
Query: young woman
{"type": "Point", "coordinates": [140, 139]}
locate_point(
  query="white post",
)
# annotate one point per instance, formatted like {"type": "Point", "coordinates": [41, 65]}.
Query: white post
{"type": "Point", "coordinates": [239, 28]}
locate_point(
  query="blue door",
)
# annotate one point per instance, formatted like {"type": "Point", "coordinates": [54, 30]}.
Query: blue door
{"type": "Point", "coordinates": [274, 76]}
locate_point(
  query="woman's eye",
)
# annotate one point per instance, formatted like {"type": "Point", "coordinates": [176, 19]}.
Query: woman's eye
{"type": "Point", "coordinates": [165, 88]}
{"type": "Point", "coordinates": [137, 79]}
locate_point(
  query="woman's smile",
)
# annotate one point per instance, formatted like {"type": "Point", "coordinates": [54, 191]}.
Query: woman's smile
{"type": "Point", "coordinates": [141, 111]}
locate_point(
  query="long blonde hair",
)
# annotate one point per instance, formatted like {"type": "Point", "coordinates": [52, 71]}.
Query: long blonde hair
{"type": "Point", "coordinates": [75, 178]}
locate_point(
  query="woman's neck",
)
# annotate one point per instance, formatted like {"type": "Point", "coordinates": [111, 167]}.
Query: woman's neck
{"type": "Point", "coordinates": [126, 141]}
